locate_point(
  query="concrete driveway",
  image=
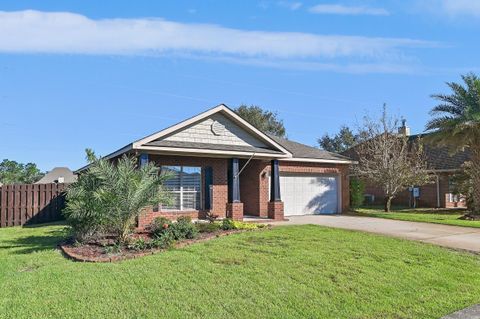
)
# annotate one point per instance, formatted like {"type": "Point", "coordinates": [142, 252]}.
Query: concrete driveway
{"type": "Point", "coordinates": [443, 235]}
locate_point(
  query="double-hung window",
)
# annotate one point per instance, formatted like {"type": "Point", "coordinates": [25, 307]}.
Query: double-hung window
{"type": "Point", "coordinates": [184, 184]}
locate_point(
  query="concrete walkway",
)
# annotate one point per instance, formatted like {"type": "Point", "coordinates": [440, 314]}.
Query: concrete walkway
{"type": "Point", "coordinates": [472, 312]}
{"type": "Point", "coordinates": [443, 235]}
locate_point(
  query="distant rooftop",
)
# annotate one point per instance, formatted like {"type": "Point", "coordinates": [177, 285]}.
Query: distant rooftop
{"type": "Point", "coordinates": [58, 175]}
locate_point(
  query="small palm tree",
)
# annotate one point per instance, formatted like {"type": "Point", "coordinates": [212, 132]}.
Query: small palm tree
{"type": "Point", "coordinates": [456, 124]}
{"type": "Point", "coordinates": [110, 196]}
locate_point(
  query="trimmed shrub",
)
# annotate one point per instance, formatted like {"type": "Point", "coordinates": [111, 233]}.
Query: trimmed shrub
{"type": "Point", "coordinates": [357, 192]}
{"type": "Point", "coordinates": [183, 229]}
{"type": "Point", "coordinates": [164, 241]}
{"type": "Point", "coordinates": [227, 224]}
{"type": "Point", "coordinates": [160, 226]}
{"type": "Point", "coordinates": [208, 227]}
{"type": "Point", "coordinates": [138, 244]}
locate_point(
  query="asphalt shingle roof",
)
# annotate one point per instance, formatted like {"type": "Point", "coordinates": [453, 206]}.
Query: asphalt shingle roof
{"type": "Point", "coordinates": [300, 150]}
{"type": "Point", "coordinates": [442, 158]}
{"type": "Point", "coordinates": [438, 157]}
{"type": "Point", "coordinates": [54, 174]}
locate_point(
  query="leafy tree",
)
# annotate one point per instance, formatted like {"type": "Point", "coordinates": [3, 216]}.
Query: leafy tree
{"type": "Point", "coordinates": [388, 159]}
{"type": "Point", "coordinates": [456, 123]}
{"type": "Point", "coordinates": [265, 121]}
{"type": "Point", "coordinates": [340, 142]}
{"type": "Point", "coordinates": [108, 197]}
{"type": "Point", "coordinates": [12, 172]}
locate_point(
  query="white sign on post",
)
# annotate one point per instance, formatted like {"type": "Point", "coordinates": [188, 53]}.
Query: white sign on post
{"type": "Point", "coordinates": [416, 192]}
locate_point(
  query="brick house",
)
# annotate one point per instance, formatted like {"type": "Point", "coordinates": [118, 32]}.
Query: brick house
{"type": "Point", "coordinates": [222, 164]}
{"type": "Point", "coordinates": [442, 164]}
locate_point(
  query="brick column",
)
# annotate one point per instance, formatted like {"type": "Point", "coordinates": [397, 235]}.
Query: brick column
{"type": "Point", "coordinates": [234, 206]}
{"type": "Point", "coordinates": [275, 210]}
{"type": "Point", "coordinates": [275, 206]}
{"type": "Point", "coordinates": [235, 211]}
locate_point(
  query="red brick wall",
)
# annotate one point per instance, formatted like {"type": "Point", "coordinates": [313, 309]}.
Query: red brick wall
{"type": "Point", "coordinates": [220, 186]}
{"type": "Point", "coordinates": [235, 211]}
{"type": "Point", "coordinates": [428, 194]}
{"type": "Point", "coordinates": [254, 188]}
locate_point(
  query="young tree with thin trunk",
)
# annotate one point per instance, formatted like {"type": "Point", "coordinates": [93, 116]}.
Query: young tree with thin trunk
{"type": "Point", "coordinates": [388, 159]}
{"type": "Point", "coordinates": [456, 124]}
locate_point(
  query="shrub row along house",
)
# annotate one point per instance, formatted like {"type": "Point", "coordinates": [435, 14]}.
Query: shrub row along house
{"type": "Point", "coordinates": [223, 165]}
{"type": "Point", "coordinates": [440, 193]}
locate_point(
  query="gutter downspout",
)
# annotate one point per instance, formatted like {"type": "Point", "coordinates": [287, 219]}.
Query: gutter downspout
{"type": "Point", "coordinates": [438, 191]}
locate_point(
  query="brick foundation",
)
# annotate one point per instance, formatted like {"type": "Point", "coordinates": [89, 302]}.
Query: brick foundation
{"type": "Point", "coordinates": [275, 210]}
{"type": "Point", "coordinates": [235, 211]}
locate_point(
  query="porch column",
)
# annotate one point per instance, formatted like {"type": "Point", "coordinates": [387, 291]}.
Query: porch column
{"type": "Point", "coordinates": [275, 206]}
{"type": "Point", "coordinates": [274, 182]}
{"type": "Point", "coordinates": [234, 206]}
{"type": "Point", "coordinates": [234, 181]}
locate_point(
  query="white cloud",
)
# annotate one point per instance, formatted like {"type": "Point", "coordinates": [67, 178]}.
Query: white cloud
{"type": "Point", "coordinates": [347, 10]}
{"type": "Point", "coordinates": [290, 5]}
{"type": "Point", "coordinates": [69, 33]}
{"type": "Point", "coordinates": [63, 32]}
{"type": "Point", "coordinates": [461, 7]}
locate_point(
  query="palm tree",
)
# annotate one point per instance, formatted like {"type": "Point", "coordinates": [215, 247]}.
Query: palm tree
{"type": "Point", "coordinates": [456, 124]}
{"type": "Point", "coordinates": [110, 196]}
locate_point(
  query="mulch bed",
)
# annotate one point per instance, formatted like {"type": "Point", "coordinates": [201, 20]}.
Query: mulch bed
{"type": "Point", "coordinates": [95, 252]}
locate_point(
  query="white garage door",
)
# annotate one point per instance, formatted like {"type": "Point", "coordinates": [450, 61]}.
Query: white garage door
{"type": "Point", "coordinates": [306, 194]}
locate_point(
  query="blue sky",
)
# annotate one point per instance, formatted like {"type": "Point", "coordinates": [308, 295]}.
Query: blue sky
{"type": "Point", "coordinates": [100, 74]}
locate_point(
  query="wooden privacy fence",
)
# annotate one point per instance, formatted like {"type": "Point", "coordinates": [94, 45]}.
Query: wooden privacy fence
{"type": "Point", "coordinates": [31, 203]}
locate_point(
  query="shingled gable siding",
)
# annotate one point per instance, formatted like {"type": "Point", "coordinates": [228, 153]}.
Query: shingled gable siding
{"type": "Point", "coordinates": [228, 133]}
{"type": "Point", "coordinates": [220, 187]}
{"type": "Point", "coordinates": [254, 188]}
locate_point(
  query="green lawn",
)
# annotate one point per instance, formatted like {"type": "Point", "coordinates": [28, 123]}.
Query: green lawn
{"type": "Point", "coordinates": [446, 217]}
{"type": "Point", "coordinates": [286, 272]}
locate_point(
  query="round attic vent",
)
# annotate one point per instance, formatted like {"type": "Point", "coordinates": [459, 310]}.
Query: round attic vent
{"type": "Point", "coordinates": [218, 128]}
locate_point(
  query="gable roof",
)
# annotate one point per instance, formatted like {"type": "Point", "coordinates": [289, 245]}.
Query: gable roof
{"type": "Point", "coordinates": [304, 152]}
{"type": "Point", "coordinates": [225, 110]}
{"type": "Point", "coordinates": [271, 146]}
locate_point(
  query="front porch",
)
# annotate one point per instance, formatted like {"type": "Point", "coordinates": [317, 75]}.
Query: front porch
{"type": "Point", "coordinates": [225, 187]}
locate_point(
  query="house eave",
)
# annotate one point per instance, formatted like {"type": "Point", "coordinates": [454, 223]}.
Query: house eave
{"type": "Point", "coordinates": [317, 160]}
{"type": "Point", "coordinates": [118, 152]}
{"type": "Point", "coordinates": [206, 152]}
